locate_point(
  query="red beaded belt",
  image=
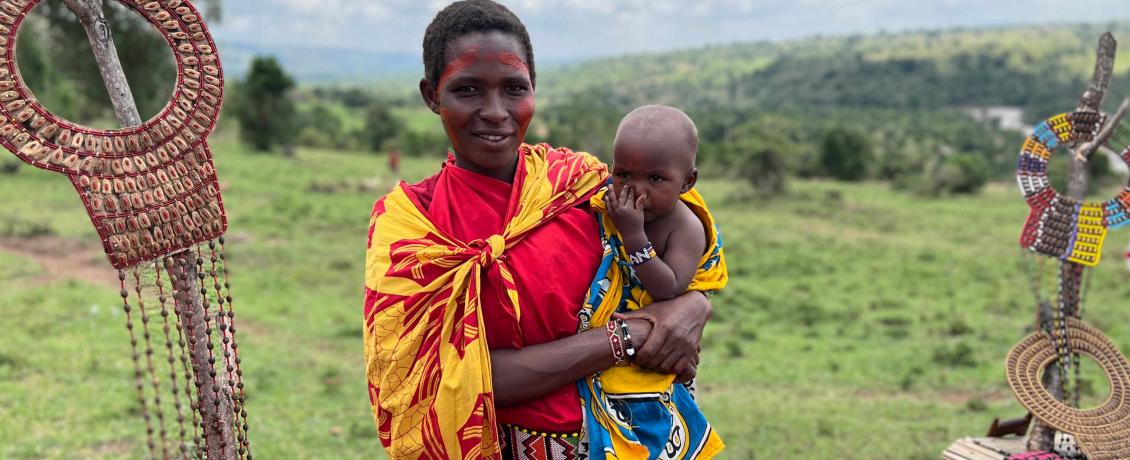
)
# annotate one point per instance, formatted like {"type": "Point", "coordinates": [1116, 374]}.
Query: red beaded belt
{"type": "Point", "coordinates": [522, 444]}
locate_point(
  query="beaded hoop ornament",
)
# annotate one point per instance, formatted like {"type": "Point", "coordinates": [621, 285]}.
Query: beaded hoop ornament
{"type": "Point", "coordinates": [152, 193]}
{"type": "Point", "coordinates": [1102, 432]}
{"type": "Point", "coordinates": [1057, 225]}
{"type": "Point", "coordinates": [150, 190]}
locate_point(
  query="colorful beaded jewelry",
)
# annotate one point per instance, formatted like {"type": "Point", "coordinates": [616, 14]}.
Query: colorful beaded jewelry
{"type": "Point", "coordinates": [616, 342]}
{"type": "Point", "coordinates": [629, 348]}
{"type": "Point", "coordinates": [1058, 225]}
{"type": "Point", "coordinates": [644, 254]}
{"type": "Point", "coordinates": [546, 434]}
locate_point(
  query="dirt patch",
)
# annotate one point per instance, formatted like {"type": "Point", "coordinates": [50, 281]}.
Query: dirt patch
{"type": "Point", "coordinates": [113, 449]}
{"type": "Point", "coordinates": [64, 258]}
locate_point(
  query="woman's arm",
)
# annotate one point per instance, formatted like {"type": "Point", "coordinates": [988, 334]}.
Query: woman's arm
{"type": "Point", "coordinates": [521, 376]}
{"type": "Point", "coordinates": [670, 332]}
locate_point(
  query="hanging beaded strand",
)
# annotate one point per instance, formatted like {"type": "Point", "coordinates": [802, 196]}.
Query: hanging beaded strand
{"type": "Point", "coordinates": [246, 441]}
{"type": "Point", "coordinates": [137, 374]}
{"type": "Point", "coordinates": [187, 374]}
{"type": "Point", "coordinates": [153, 380]}
{"type": "Point", "coordinates": [184, 304]}
{"type": "Point", "coordinates": [218, 395]}
{"type": "Point", "coordinates": [182, 439]}
{"type": "Point", "coordinates": [1070, 279]}
{"type": "Point", "coordinates": [224, 321]}
{"type": "Point", "coordinates": [1079, 316]}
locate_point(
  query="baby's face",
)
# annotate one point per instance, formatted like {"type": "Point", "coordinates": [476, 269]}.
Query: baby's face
{"type": "Point", "coordinates": [659, 171]}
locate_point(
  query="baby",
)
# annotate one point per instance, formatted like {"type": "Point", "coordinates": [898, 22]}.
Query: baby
{"type": "Point", "coordinates": [658, 226]}
{"type": "Point", "coordinates": [653, 164]}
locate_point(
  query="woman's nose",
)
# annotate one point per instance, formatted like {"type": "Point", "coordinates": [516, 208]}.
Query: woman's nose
{"type": "Point", "coordinates": [494, 109]}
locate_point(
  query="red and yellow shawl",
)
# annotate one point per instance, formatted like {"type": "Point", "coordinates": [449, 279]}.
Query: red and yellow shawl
{"type": "Point", "coordinates": [426, 355]}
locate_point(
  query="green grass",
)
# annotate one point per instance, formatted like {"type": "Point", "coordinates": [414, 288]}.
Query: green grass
{"type": "Point", "coordinates": [859, 322]}
{"type": "Point", "coordinates": [417, 119]}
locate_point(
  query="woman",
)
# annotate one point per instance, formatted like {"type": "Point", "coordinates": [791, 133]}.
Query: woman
{"type": "Point", "coordinates": [475, 276]}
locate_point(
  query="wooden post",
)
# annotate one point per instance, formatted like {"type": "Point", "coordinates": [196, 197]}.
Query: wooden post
{"type": "Point", "coordinates": [215, 406]}
{"type": "Point", "coordinates": [1042, 436]}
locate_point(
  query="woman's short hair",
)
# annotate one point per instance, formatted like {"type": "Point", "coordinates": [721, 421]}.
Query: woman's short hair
{"type": "Point", "coordinates": [467, 17]}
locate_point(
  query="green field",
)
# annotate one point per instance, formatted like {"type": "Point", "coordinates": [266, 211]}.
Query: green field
{"type": "Point", "coordinates": [859, 323]}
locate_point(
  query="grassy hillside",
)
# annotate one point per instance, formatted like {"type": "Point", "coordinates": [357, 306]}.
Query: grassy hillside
{"type": "Point", "coordinates": [859, 323]}
{"type": "Point", "coordinates": [1028, 66]}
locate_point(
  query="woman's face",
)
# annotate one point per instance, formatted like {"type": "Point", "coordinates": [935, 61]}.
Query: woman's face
{"type": "Point", "coordinates": [486, 100]}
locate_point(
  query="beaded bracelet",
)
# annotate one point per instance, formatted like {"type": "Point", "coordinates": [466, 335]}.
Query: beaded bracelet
{"type": "Point", "coordinates": [616, 342]}
{"type": "Point", "coordinates": [643, 255]}
{"type": "Point", "coordinates": [629, 348]}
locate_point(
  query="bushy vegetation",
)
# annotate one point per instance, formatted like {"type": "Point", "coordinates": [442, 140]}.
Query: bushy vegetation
{"type": "Point", "coordinates": [264, 108]}
{"type": "Point", "coordinates": [845, 155]}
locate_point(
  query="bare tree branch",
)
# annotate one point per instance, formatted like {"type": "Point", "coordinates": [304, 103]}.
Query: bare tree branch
{"type": "Point", "coordinates": [1084, 153]}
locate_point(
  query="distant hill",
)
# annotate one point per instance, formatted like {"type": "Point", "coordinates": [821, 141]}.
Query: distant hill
{"type": "Point", "coordinates": [1041, 68]}
{"type": "Point", "coordinates": [323, 65]}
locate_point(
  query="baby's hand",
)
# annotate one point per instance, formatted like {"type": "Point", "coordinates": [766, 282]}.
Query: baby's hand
{"type": "Point", "coordinates": [626, 209]}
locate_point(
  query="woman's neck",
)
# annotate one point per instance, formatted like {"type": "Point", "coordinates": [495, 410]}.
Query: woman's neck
{"type": "Point", "coordinates": [505, 174]}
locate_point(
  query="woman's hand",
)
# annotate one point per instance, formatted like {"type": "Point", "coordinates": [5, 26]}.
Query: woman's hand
{"type": "Point", "coordinates": [640, 329]}
{"type": "Point", "coordinates": [673, 343]}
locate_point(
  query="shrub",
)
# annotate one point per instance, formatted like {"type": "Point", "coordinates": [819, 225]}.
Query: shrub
{"type": "Point", "coordinates": [957, 174]}
{"type": "Point", "coordinates": [766, 170]}
{"type": "Point", "coordinates": [265, 111]}
{"type": "Point", "coordinates": [320, 128]}
{"type": "Point", "coordinates": [845, 154]}
{"type": "Point", "coordinates": [380, 126]}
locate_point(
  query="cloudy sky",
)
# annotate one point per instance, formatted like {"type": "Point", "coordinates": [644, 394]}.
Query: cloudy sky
{"type": "Point", "coordinates": [583, 28]}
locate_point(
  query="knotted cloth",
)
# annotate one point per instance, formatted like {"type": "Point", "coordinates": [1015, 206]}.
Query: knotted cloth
{"type": "Point", "coordinates": [427, 360]}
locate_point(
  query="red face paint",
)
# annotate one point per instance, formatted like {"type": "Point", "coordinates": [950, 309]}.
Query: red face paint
{"type": "Point", "coordinates": [465, 60]}
{"type": "Point", "coordinates": [524, 112]}
{"type": "Point", "coordinates": [512, 60]}
{"type": "Point", "coordinates": [472, 57]}
{"type": "Point", "coordinates": [452, 134]}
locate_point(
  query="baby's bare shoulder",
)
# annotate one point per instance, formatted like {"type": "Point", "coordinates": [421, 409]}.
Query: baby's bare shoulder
{"type": "Point", "coordinates": [686, 227]}
{"type": "Point", "coordinates": [687, 219]}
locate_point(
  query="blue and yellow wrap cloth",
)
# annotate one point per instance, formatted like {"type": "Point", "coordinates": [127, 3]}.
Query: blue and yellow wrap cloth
{"type": "Point", "coordinates": [630, 412]}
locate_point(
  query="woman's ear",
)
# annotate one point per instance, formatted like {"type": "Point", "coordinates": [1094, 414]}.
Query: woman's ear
{"type": "Point", "coordinates": [429, 95]}
{"type": "Point", "coordinates": [688, 183]}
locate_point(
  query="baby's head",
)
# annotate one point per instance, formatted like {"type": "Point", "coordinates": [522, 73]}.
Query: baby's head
{"type": "Point", "coordinates": [654, 154]}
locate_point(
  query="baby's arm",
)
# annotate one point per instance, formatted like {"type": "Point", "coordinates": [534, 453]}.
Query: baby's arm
{"type": "Point", "coordinates": [665, 275]}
